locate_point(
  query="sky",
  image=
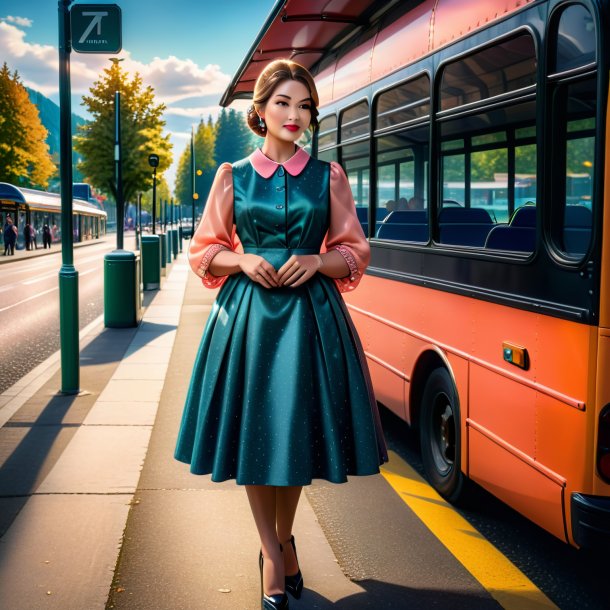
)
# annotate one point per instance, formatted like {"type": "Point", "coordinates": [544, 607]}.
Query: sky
{"type": "Point", "coordinates": [187, 50]}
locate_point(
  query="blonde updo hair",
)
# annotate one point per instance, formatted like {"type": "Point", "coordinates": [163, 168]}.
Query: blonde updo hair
{"type": "Point", "coordinates": [275, 73]}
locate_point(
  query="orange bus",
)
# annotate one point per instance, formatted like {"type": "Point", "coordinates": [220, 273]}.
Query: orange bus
{"type": "Point", "coordinates": [474, 135]}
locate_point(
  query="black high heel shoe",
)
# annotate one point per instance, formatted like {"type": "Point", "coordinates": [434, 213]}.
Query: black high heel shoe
{"type": "Point", "coordinates": [271, 602]}
{"type": "Point", "coordinates": [294, 583]}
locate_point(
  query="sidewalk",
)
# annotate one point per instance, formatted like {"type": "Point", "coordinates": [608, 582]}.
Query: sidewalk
{"type": "Point", "coordinates": [21, 255]}
{"type": "Point", "coordinates": [86, 478]}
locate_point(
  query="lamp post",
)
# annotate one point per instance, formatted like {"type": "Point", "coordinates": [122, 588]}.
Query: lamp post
{"type": "Point", "coordinates": [139, 221]}
{"type": "Point", "coordinates": [118, 170]}
{"type": "Point", "coordinates": [153, 161]}
{"type": "Point", "coordinates": [193, 192]}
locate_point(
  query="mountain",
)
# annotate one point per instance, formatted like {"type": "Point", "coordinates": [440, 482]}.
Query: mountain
{"type": "Point", "coordinates": [49, 116]}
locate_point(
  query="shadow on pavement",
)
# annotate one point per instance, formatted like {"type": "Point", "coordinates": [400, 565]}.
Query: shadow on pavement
{"type": "Point", "coordinates": [387, 596]}
{"type": "Point", "coordinates": [32, 441]}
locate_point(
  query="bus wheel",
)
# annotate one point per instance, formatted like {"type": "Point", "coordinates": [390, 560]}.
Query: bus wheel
{"type": "Point", "coordinates": [440, 435]}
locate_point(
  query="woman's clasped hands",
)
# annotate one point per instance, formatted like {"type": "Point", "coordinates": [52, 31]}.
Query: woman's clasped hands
{"type": "Point", "coordinates": [295, 271]}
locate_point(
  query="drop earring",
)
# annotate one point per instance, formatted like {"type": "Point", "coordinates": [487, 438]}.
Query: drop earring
{"type": "Point", "coordinates": [261, 123]}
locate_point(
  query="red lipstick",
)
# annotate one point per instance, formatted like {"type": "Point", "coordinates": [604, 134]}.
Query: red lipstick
{"type": "Point", "coordinates": [292, 127]}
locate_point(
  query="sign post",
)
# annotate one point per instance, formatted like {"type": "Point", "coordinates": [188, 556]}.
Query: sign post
{"type": "Point", "coordinates": [96, 28]}
{"type": "Point", "coordinates": [87, 28]}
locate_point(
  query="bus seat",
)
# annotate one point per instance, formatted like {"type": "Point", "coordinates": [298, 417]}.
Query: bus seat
{"type": "Point", "coordinates": [405, 225]}
{"type": "Point", "coordinates": [525, 216]}
{"type": "Point", "coordinates": [464, 226]}
{"type": "Point", "coordinates": [408, 216]}
{"type": "Point", "coordinates": [517, 239]}
{"type": "Point", "coordinates": [363, 216]}
{"type": "Point", "coordinates": [578, 223]}
{"type": "Point", "coordinates": [363, 213]}
{"type": "Point", "coordinates": [519, 235]}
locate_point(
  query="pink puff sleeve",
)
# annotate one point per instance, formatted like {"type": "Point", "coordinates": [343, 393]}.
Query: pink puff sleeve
{"type": "Point", "coordinates": [345, 232]}
{"type": "Point", "coordinates": [216, 230]}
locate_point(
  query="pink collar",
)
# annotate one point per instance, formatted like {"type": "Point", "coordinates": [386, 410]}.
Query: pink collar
{"type": "Point", "coordinates": [266, 167]}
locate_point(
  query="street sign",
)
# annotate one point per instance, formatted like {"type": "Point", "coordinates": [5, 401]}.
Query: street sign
{"type": "Point", "coordinates": [96, 28]}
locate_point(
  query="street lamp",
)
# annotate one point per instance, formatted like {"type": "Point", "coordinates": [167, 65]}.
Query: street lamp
{"type": "Point", "coordinates": [118, 164]}
{"type": "Point", "coordinates": [153, 161]}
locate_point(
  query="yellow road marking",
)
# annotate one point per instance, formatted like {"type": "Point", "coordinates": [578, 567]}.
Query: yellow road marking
{"type": "Point", "coordinates": [502, 579]}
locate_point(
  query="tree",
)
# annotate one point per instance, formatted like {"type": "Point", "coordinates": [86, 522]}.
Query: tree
{"type": "Point", "coordinates": [141, 134]}
{"type": "Point", "coordinates": [24, 154]}
{"type": "Point", "coordinates": [162, 192]}
{"type": "Point", "coordinates": [233, 137]}
{"type": "Point", "coordinates": [205, 138]}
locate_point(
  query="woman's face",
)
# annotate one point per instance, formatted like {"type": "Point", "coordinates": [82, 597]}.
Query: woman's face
{"type": "Point", "coordinates": [287, 113]}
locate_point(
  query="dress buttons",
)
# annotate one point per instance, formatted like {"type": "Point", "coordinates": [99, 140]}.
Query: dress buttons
{"type": "Point", "coordinates": [279, 189]}
{"type": "Point", "coordinates": [279, 207]}
{"type": "Point", "coordinates": [280, 172]}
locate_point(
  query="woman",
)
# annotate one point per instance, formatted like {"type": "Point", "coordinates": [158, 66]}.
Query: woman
{"type": "Point", "coordinates": [280, 392]}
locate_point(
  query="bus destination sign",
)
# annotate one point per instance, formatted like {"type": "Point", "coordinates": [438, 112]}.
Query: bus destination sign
{"type": "Point", "coordinates": [96, 28]}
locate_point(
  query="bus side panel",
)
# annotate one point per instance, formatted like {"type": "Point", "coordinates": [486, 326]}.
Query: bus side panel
{"type": "Point", "coordinates": [513, 481]}
{"type": "Point", "coordinates": [353, 70]}
{"type": "Point", "coordinates": [452, 19]}
{"type": "Point", "coordinates": [599, 487]}
{"type": "Point", "coordinates": [402, 41]}
{"type": "Point", "coordinates": [459, 368]}
{"type": "Point", "coordinates": [384, 348]}
{"type": "Point", "coordinates": [505, 407]}
{"type": "Point", "coordinates": [557, 427]}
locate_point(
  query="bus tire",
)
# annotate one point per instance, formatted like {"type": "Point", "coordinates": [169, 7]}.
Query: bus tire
{"type": "Point", "coordinates": [440, 436]}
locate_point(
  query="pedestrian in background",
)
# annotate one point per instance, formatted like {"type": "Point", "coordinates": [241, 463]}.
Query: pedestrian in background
{"type": "Point", "coordinates": [10, 236]}
{"type": "Point", "coordinates": [33, 237]}
{"type": "Point", "coordinates": [27, 236]}
{"type": "Point", "coordinates": [280, 392]}
{"type": "Point", "coordinates": [46, 236]}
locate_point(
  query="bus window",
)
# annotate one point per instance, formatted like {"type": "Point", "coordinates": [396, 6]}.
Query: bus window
{"type": "Point", "coordinates": [501, 68]}
{"type": "Point", "coordinates": [356, 162]}
{"type": "Point", "coordinates": [353, 124]}
{"type": "Point", "coordinates": [327, 133]}
{"type": "Point", "coordinates": [572, 220]}
{"type": "Point", "coordinates": [402, 192]}
{"type": "Point", "coordinates": [402, 161]}
{"type": "Point", "coordinates": [488, 158]}
{"type": "Point", "coordinates": [355, 121]}
{"type": "Point", "coordinates": [573, 100]}
{"type": "Point", "coordinates": [575, 39]}
{"type": "Point", "coordinates": [407, 102]}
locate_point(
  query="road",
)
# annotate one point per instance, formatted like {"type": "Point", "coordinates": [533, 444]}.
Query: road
{"type": "Point", "coordinates": [29, 304]}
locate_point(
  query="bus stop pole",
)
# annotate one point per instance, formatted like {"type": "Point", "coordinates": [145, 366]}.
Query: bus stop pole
{"type": "Point", "coordinates": [68, 276]}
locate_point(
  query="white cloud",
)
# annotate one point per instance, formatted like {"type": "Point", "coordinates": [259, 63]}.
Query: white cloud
{"type": "Point", "coordinates": [173, 79]}
{"type": "Point", "coordinates": [23, 21]}
{"type": "Point", "coordinates": [181, 84]}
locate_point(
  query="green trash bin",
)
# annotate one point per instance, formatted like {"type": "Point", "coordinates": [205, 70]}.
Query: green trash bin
{"type": "Point", "coordinates": [168, 246]}
{"type": "Point", "coordinates": [163, 239]}
{"type": "Point", "coordinates": [151, 262]}
{"type": "Point", "coordinates": [122, 302]}
{"type": "Point", "coordinates": [174, 234]}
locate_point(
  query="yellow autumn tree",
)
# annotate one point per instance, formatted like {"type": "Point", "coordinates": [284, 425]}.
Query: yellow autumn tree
{"type": "Point", "coordinates": [24, 154]}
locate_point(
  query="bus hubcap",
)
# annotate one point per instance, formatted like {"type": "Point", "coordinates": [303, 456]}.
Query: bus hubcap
{"type": "Point", "coordinates": [444, 437]}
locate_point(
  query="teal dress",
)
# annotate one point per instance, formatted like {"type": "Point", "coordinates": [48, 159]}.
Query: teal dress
{"type": "Point", "coordinates": [280, 392]}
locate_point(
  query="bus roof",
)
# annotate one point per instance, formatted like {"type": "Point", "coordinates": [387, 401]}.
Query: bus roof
{"type": "Point", "coordinates": [309, 31]}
